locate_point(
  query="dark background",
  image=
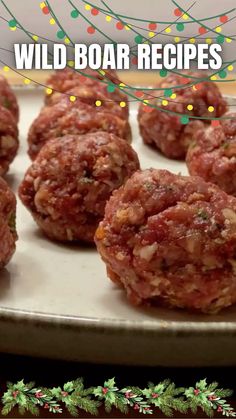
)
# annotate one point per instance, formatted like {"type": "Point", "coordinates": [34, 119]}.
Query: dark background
{"type": "Point", "coordinates": [49, 373]}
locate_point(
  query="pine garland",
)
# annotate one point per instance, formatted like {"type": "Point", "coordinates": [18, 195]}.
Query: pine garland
{"type": "Point", "coordinates": [74, 397]}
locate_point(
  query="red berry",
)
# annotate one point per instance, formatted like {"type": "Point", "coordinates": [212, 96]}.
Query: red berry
{"type": "Point", "coordinates": [211, 397]}
{"type": "Point", "coordinates": [46, 406]}
{"type": "Point", "coordinates": [105, 390]}
{"type": "Point", "coordinates": [38, 394]}
{"type": "Point", "coordinates": [155, 395]}
{"type": "Point", "coordinates": [119, 26]}
{"type": "Point", "coordinates": [15, 393]}
{"type": "Point", "coordinates": [224, 19]}
{"type": "Point", "coordinates": [136, 407]}
{"type": "Point", "coordinates": [219, 409]}
{"type": "Point", "coordinates": [152, 26]}
{"type": "Point", "coordinates": [177, 12]}
{"type": "Point", "coordinates": [64, 393]}
{"type": "Point", "coordinates": [45, 10]}
{"type": "Point", "coordinates": [202, 30]}
{"type": "Point", "coordinates": [94, 12]}
{"type": "Point", "coordinates": [196, 391]}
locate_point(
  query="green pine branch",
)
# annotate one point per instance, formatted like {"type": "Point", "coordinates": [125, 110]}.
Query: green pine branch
{"type": "Point", "coordinates": [85, 392]}
{"type": "Point", "coordinates": [213, 386]}
{"type": "Point", "coordinates": [88, 405]}
{"type": "Point", "coordinates": [33, 409]}
{"type": "Point", "coordinates": [120, 404]}
{"type": "Point", "coordinates": [180, 405]}
{"type": "Point", "coordinates": [107, 406]}
{"type": "Point", "coordinates": [72, 410]}
{"type": "Point", "coordinates": [223, 393]}
{"type": "Point", "coordinates": [74, 397]}
{"type": "Point", "coordinates": [7, 408]}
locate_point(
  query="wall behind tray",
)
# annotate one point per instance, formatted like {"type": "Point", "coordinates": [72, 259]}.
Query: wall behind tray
{"type": "Point", "coordinates": [29, 14]}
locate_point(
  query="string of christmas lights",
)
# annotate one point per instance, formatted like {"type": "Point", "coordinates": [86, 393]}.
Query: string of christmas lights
{"type": "Point", "coordinates": [136, 94]}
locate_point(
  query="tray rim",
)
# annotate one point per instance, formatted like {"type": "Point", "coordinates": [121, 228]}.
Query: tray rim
{"type": "Point", "coordinates": [159, 327]}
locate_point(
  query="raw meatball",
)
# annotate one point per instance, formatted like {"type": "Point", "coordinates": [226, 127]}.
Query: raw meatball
{"type": "Point", "coordinates": [67, 186]}
{"type": "Point", "coordinates": [7, 223]}
{"type": "Point", "coordinates": [170, 239]}
{"type": "Point", "coordinates": [8, 98]}
{"type": "Point", "coordinates": [165, 130]}
{"type": "Point", "coordinates": [89, 95]}
{"type": "Point", "coordinates": [8, 139]}
{"type": "Point", "coordinates": [213, 154]}
{"type": "Point", "coordinates": [74, 118]}
{"type": "Point", "coordinates": [66, 81]}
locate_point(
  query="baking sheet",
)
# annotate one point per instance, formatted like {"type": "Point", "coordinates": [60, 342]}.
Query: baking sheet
{"type": "Point", "coordinates": [56, 300]}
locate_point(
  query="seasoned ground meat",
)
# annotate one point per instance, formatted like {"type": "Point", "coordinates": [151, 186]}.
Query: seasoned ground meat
{"type": "Point", "coordinates": [7, 223]}
{"type": "Point", "coordinates": [213, 154]}
{"type": "Point", "coordinates": [165, 130]}
{"type": "Point", "coordinates": [73, 118]}
{"type": "Point", "coordinates": [8, 98]}
{"type": "Point", "coordinates": [170, 239]}
{"type": "Point", "coordinates": [90, 95]}
{"type": "Point", "coordinates": [8, 139]}
{"type": "Point", "coordinates": [66, 81]}
{"type": "Point", "coordinates": [67, 186]}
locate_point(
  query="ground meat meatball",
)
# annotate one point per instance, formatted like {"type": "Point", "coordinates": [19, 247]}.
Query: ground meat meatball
{"type": "Point", "coordinates": [8, 139]}
{"type": "Point", "coordinates": [90, 95]}
{"type": "Point", "coordinates": [213, 154]}
{"type": "Point", "coordinates": [8, 98]}
{"type": "Point", "coordinates": [164, 130]}
{"type": "Point", "coordinates": [73, 118]}
{"type": "Point", "coordinates": [64, 80]}
{"type": "Point", "coordinates": [7, 223]}
{"type": "Point", "coordinates": [170, 239]}
{"type": "Point", "coordinates": [67, 80]}
{"type": "Point", "coordinates": [167, 133]}
{"type": "Point", "coordinates": [67, 186]}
